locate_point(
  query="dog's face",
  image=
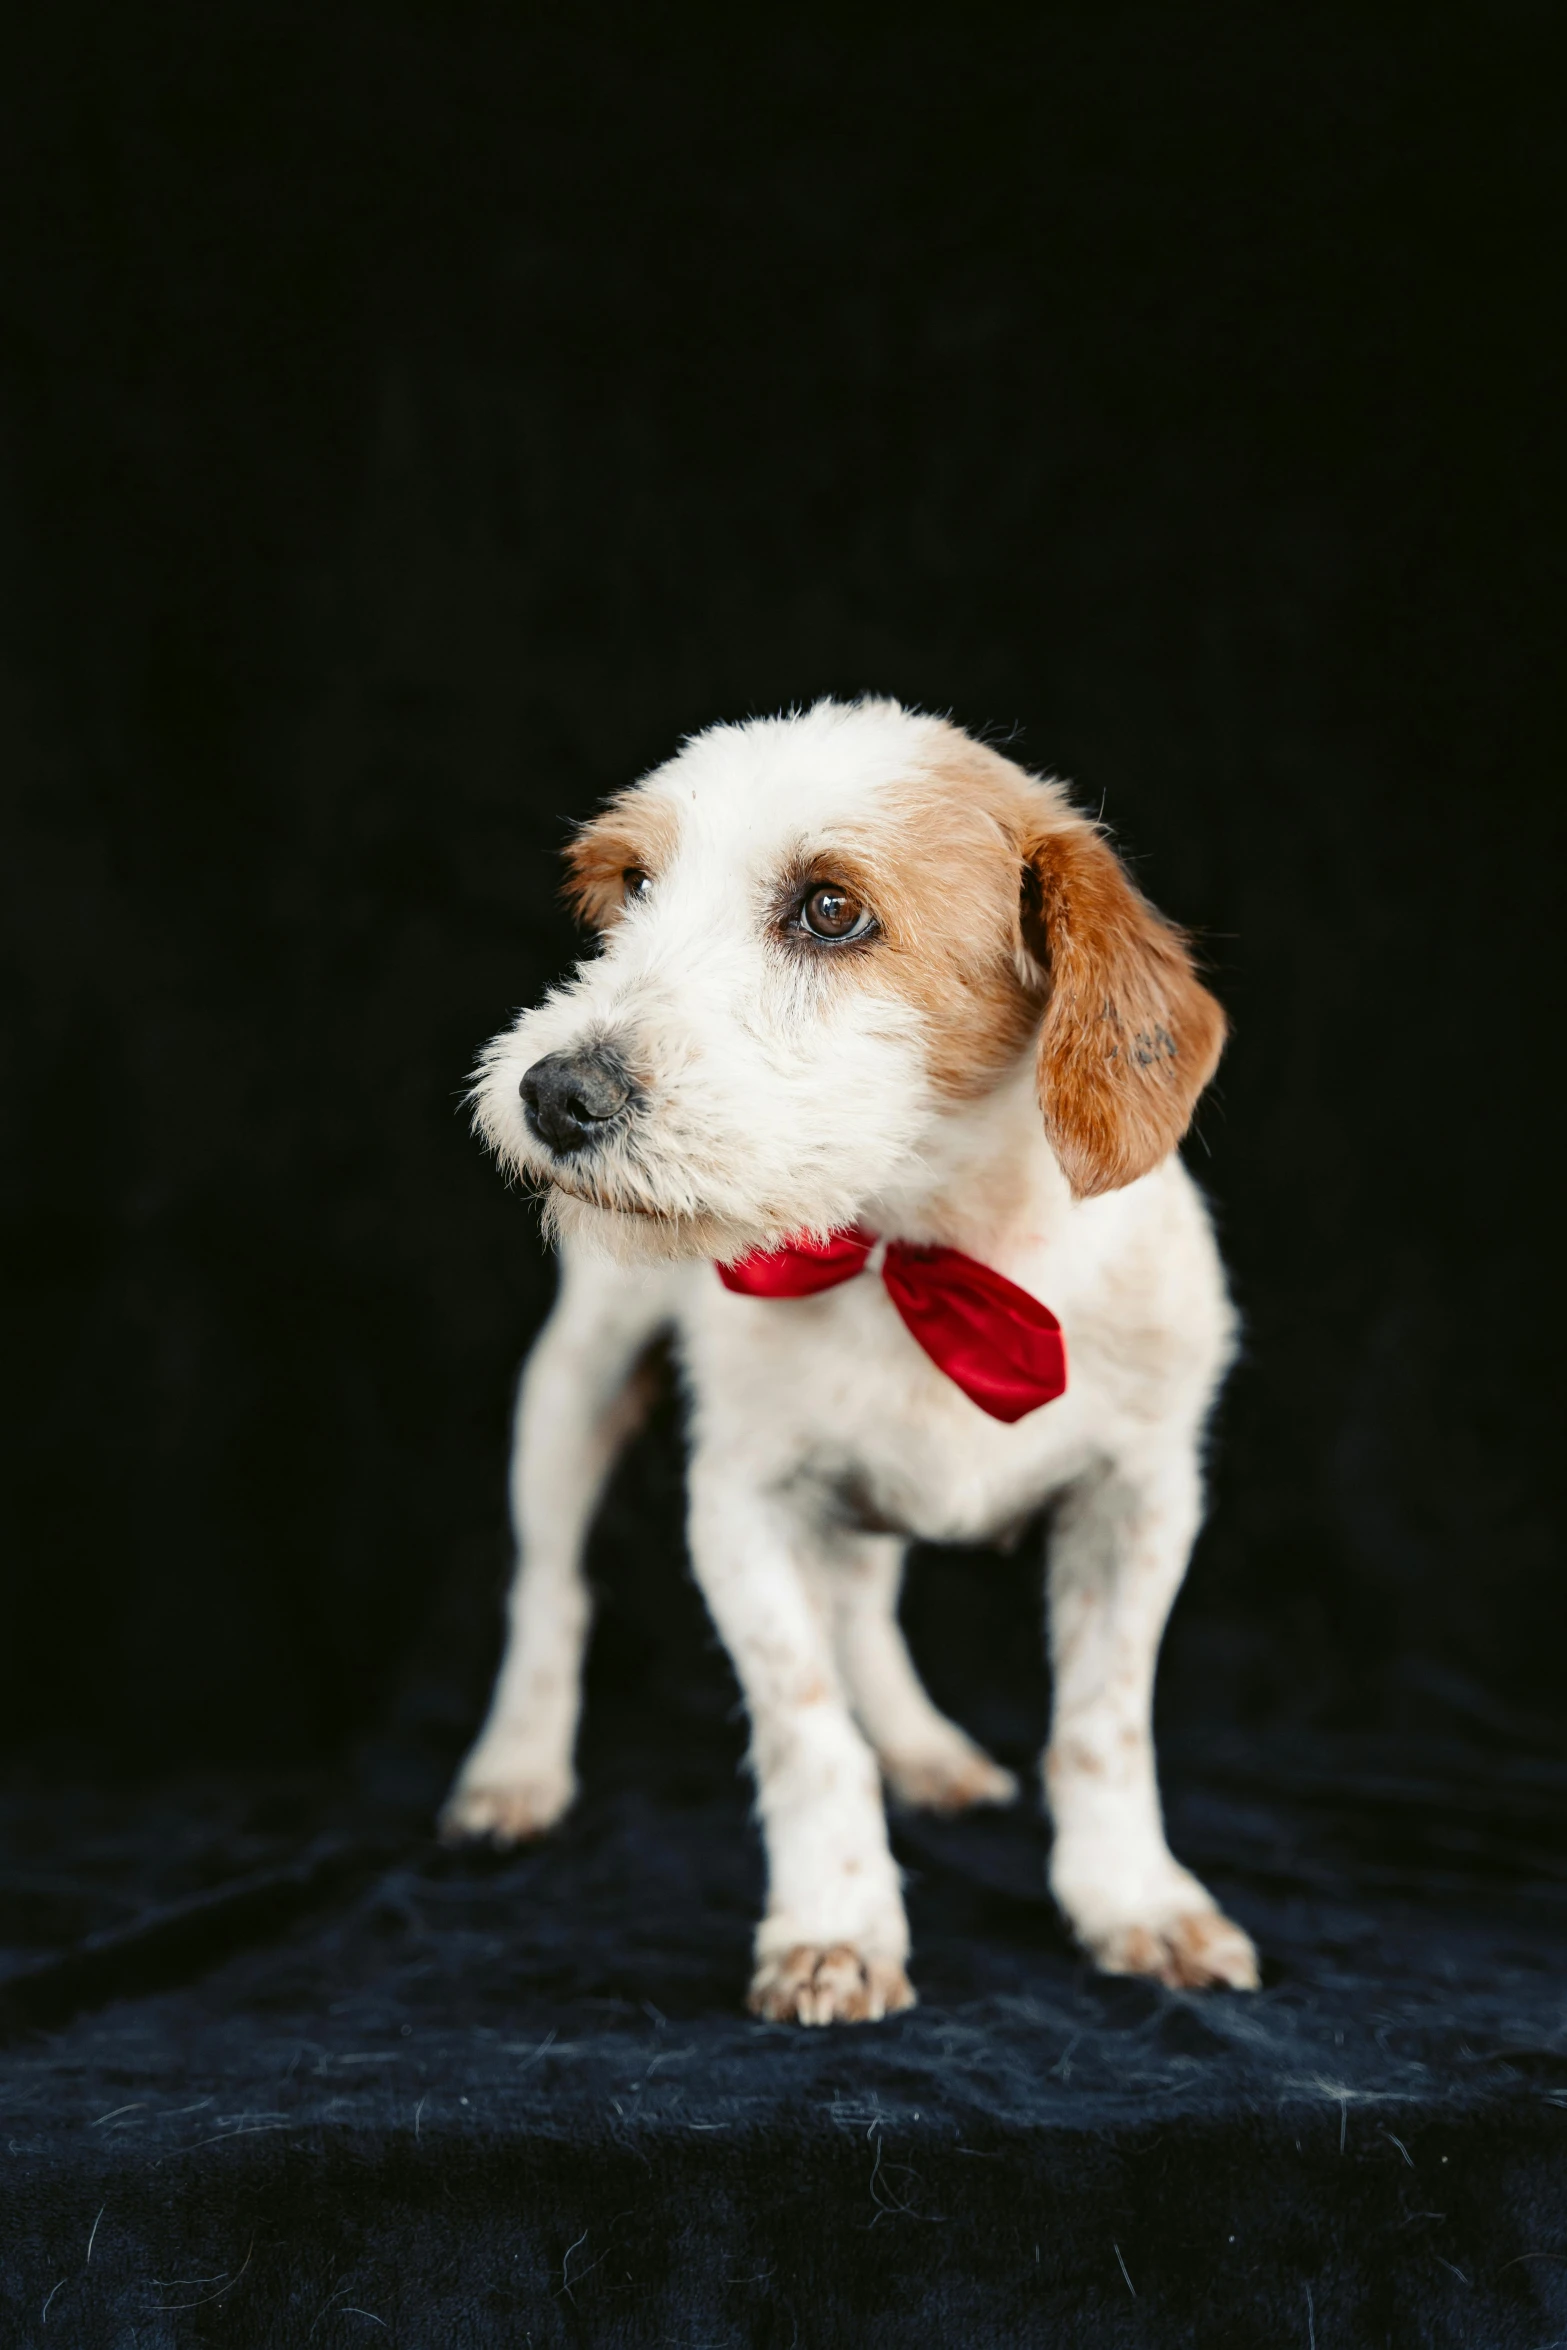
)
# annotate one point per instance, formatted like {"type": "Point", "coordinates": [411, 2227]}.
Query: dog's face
{"type": "Point", "coordinates": [819, 935]}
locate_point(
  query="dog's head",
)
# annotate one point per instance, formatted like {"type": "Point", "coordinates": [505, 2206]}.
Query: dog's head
{"type": "Point", "coordinates": [818, 936]}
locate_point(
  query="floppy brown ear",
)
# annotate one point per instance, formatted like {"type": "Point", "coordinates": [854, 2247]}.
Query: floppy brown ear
{"type": "Point", "coordinates": [1130, 1036]}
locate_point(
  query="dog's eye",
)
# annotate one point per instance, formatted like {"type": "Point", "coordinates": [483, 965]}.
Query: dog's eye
{"type": "Point", "coordinates": [634, 883]}
{"type": "Point", "coordinates": [834, 912]}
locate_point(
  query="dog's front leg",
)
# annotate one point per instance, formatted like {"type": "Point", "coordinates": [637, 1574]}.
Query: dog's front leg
{"type": "Point", "coordinates": [1118, 1553]}
{"type": "Point", "coordinates": [577, 1402]}
{"type": "Point", "coordinates": [832, 1946]}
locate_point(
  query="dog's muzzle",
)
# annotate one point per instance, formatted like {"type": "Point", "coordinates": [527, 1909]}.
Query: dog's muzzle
{"type": "Point", "coordinates": [573, 1099]}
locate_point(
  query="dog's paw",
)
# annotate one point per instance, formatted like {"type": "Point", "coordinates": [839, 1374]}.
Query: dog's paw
{"type": "Point", "coordinates": [1199, 1950]}
{"type": "Point", "coordinates": [504, 1812]}
{"type": "Point", "coordinates": [810, 1985]}
{"type": "Point", "coordinates": [947, 1779]}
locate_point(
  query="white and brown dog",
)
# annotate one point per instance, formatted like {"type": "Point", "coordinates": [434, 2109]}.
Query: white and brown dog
{"type": "Point", "coordinates": [859, 974]}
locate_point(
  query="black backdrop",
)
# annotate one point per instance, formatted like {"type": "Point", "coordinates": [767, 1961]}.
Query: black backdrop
{"type": "Point", "coordinates": [414, 420]}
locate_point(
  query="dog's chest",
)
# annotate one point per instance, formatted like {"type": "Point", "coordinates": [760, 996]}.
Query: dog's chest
{"type": "Point", "coordinates": [831, 1399]}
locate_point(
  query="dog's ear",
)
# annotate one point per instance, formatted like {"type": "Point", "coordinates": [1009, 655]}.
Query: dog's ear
{"type": "Point", "coordinates": [1130, 1037]}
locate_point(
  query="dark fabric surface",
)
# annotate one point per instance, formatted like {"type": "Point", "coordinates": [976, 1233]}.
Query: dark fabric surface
{"type": "Point", "coordinates": [492, 2105]}
{"type": "Point", "coordinates": [299, 2075]}
{"type": "Point", "coordinates": [412, 419]}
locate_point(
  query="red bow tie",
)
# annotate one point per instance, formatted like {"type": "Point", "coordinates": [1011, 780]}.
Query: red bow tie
{"type": "Point", "coordinates": [1001, 1346]}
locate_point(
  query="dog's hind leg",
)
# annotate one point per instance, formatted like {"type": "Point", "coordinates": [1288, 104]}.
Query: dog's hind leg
{"type": "Point", "coordinates": [925, 1759]}
{"type": "Point", "coordinates": [578, 1401]}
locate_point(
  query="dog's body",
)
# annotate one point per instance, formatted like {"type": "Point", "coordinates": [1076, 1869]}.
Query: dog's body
{"type": "Point", "coordinates": [862, 971]}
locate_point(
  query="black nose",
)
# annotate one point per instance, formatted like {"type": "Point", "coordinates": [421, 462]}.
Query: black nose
{"type": "Point", "coordinates": [574, 1098]}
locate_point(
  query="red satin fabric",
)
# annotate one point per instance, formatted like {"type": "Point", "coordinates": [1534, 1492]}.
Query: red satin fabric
{"type": "Point", "coordinates": [1001, 1346]}
{"type": "Point", "coordinates": [800, 1268]}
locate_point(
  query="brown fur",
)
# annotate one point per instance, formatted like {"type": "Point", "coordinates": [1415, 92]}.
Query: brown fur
{"type": "Point", "coordinates": [1002, 914]}
{"type": "Point", "coordinates": [634, 830]}
{"type": "Point", "coordinates": [1129, 1037]}
{"type": "Point", "coordinates": [808, 1985]}
{"type": "Point", "coordinates": [1192, 1953]}
{"type": "Point", "coordinates": [942, 879]}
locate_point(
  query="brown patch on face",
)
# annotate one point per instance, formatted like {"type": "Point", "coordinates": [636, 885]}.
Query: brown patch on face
{"type": "Point", "coordinates": [1007, 913]}
{"type": "Point", "coordinates": [844, 867]}
{"type": "Point", "coordinates": [635, 833]}
{"type": "Point", "coordinates": [942, 873]}
{"type": "Point", "coordinates": [1004, 917]}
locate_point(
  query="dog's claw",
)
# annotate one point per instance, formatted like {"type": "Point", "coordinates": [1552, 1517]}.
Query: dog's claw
{"type": "Point", "coordinates": [1198, 1951]}
{"type": "Point", "coordinates": [503, 1815]}
{"type": "Point", "coordinates": [812, 1985]}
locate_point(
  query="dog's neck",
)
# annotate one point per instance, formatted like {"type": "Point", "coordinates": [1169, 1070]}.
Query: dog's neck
{"type": "Point", "coordinates": [983, 1179]}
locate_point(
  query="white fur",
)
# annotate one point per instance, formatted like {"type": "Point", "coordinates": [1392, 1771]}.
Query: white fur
{"type": "Point", "coordinates": [775, 1105]}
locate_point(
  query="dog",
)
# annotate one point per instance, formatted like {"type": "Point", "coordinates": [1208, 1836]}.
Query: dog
{"type": "Point", "coordinates": [871, 1000]}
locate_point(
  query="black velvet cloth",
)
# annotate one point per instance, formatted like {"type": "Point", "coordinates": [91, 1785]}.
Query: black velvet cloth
{"type": "Point", "coordinates": [335, 2083]}
{"type": "Point", "coordinates": [412, 421]}
{"type": "Point", "coordinates": [279, 2068]}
